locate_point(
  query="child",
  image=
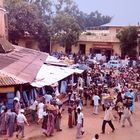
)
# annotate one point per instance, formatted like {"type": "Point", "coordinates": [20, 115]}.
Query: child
{"type": "Point", "coordinates": [96, 137]}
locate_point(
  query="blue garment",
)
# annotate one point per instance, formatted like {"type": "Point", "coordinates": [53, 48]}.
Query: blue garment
{"type": "Point", "coordinates": [81, 103]}
{"type": "Point", "coordinates": [43, 91]}
{"type": "Point", "coordinates": [32, 95]}
{"type": "Point", "coordinates": [35, 93]}
{"type": "Point", "coordinates": [63, 87]}
{"type": "Point", "coordinates": [30, 99]}
{"type": "Point", "coordinates": [131, 95]}
{"type": "Point", "coordinates": [25, 98]}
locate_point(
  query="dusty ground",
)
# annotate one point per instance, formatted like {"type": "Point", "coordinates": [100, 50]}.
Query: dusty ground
{"type": "Point", "coordinates": [92, 125]}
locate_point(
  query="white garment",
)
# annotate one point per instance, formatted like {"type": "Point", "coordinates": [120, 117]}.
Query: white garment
{"type": "Point", "coordinates": [18, 94]}
{"type": "Point", "coordinates": [80, 83]}
{"type": "Point", "coordinates": [126, 112]}
{"type": "Point", "coordinates": [40, 110]}
{"type": "Point", "coordinates": [63, 87]}
{"type": "Point", "coordinates": [80, 117]}
{"type": "Point", "coordinates": [108, 115]}
{"type": "Point", "coordinates": [57, 91]}
{"type": "Point", "coordinates": [34, 105]}
{"type": "Point", "coordinates": [21, 118]}
{"type": "Point", "coordinates": [96, 99]}
{"type": "Point", "coordinates": [43, 91]}
{"type": "Point", "coordinates": [89, 80]}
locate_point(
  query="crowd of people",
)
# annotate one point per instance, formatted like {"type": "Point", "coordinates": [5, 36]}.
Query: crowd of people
{"type": "Point", "coordinates": [112, 88]}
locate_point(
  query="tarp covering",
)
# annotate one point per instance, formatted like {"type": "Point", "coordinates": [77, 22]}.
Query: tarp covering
{"type": "Point", "coordinates": [80, 67]}
{"type": "Point", "coordinates": [52, 59]}
{"type": "Point", "coordinates": [49, 75]}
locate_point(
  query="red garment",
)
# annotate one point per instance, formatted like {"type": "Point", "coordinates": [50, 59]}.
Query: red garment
{"type": "Point", "coordinates": [50, 124]}
{"type": "Point", "coordinates": [70, 118]}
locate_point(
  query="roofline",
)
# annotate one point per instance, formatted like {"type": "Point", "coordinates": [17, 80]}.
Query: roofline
{"type": "Point", "coordinates": [112, 26]}
{"type": "Point", "coordinates": [119, 26]}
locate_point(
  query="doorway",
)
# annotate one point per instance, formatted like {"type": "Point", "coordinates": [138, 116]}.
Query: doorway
{"type": "Point", "coordinates": [108, 53]}
{"type": "Point", "coordinates": [97, 51]}
{"type": "Point", "coordinates": [82, 49]}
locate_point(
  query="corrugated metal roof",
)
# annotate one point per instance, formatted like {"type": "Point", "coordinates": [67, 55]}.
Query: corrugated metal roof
{"type": "Point", "coordinates": [9, 81]}
{"type": "Point", "coordinates": [22, 63]}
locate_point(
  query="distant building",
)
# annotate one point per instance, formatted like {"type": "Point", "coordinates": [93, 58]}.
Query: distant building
{"type": "Point", "coordinates": [28, 41]}
{"type": "Point", "coordinates": [97, 40]}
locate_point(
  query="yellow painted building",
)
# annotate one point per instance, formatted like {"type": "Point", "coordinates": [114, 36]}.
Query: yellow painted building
{"type": "Point", "coordinates": [28, 42]}
{"type": "Point", "coordinates": [97, 40]}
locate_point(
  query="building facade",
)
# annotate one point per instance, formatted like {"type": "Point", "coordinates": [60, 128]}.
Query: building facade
{"type": "Point", "coordinates": [97, 40]}
{"type": "Point", "coordinates": [28, 42]}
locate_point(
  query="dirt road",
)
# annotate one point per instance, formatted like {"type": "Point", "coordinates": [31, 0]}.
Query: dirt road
{"type": "Point", "coordinates": [92, 125]}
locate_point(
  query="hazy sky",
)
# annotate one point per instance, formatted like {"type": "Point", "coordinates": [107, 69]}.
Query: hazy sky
{"type": "Point", "coordinates": [124, 12]}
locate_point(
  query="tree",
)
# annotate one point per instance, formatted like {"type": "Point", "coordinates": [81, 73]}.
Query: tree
{"type": "Point", "coordinates": [66, 34]}
{"type": "Point", "coordinates": [96, 19]}
{"type": "Point", "coordinates": [69, 22]}
{"type": "Point", "coordinates": [45, 20]}
{"type": "Point", "coordinates": [25, 17]}
{"type": "Point", "coordinates": [128, 41]}
{"type": "Point", "coordinates": [65, 25]}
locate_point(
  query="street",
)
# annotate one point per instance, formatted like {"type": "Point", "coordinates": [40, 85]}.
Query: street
{"type": "Point", "coordinates": [92, 125]}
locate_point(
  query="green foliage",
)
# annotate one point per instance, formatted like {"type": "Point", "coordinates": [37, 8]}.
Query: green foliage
{"type": "Point", "coordinates": [96, 19]}
{"type": "Point", "coordinates": [67, 33]}
{"type": "Point", "coordinates": [25, 17]}
{"type": "Point", "coordinates": [58, 20]}
{"type": "Point", "coordinates": [128, 39]}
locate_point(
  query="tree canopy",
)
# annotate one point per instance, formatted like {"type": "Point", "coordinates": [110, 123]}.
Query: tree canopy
{"type": "Point", "coordinates": [128, 39]}
{"type": "Point", "coordinates": [58, 20]}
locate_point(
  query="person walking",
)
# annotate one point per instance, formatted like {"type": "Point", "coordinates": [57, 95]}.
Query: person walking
{"type": "Point", "coordinates": [10, 122]}
{"type": "Point", "coordinates": [3, 121]}
{"type": "Point", "coordinates": [80, 121]}
{"type": "Point", "coordinates": [50, 123]}
{"type": "Point", "coordinates": [40, 111]}
{"type": "Point", "coordinates": [108, 119]}
{"type": "Point", "coordinates": [70, 117]}
{"type": "Point", "coordinates": [58, 118]}
{"type": "Point", "coordinates": [120, 109]}
{"type": "Point", "coordinates": [126, 116]}
{"type": "Point", "coordinates": [33, 108]}
{"type": "Point", "coordinates": [45, 121]}
{"type": "Point", "coordinates": [96, 100]}
{"type": "Point", "coordinates": [17, 105]}
{"type": "Point", "coordinates": [21, 120]}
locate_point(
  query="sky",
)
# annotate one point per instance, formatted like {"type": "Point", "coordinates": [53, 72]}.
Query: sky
{"type": "Point", "coordinates": [124, 12]}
